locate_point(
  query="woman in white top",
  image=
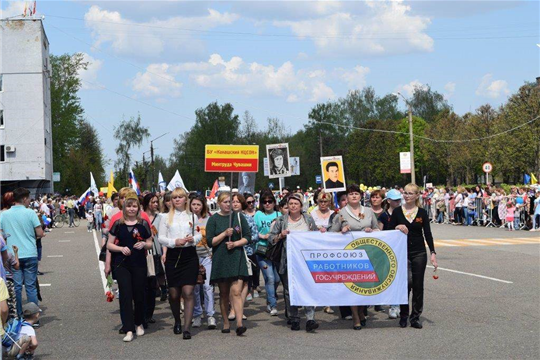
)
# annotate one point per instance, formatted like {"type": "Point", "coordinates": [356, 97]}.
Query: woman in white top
{"type": "Point", "coordinates": [177, 233]}
{"type": "Point", "coordinates": [458, 201]}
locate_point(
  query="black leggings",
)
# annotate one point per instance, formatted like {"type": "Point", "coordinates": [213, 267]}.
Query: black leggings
{"type": "Point", "coordinates": [416, 269]}
{"type": "Point", "coordinates": [131, 283]}
{"type": "Point", "coordinates": [150, 297]}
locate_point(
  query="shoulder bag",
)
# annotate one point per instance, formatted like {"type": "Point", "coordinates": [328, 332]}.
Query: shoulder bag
{"type": "Point", "coordinates": [248, 261]}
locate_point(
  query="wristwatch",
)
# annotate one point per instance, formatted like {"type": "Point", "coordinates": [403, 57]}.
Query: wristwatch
{"type": "Point", "coordinates": [433, 252]}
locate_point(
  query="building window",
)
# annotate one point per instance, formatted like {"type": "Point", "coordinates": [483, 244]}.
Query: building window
{"type": "Point", "coordinates": [1, 118]}
{"type": "Point", "coordinates": [2, 153]}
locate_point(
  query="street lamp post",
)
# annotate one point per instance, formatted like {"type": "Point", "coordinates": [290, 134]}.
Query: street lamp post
{"type": "Point", "coordinates": [152, 159]}
{"type": "Point", "coordinates": [411, 138]}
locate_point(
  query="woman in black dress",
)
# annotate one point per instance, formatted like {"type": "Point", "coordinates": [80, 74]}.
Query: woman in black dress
{"type": "Point", "coordinates": [413, 220]}
{"type": "Point", "coordinates": [129, 238]}
{"type": "Point", "coordinates": [177, 232]}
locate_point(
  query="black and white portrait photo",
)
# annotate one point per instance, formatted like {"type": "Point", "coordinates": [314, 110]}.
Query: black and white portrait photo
{"type": "Point", "coordinates": [278, 160]}
{"type": "Point", "coordinates": [246, 183]}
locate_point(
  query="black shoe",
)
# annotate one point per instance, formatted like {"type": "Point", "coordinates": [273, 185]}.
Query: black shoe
{"type": "Point", "coordinates": [186, 335]}
{"type": "Point", "coordinates": [295, 326]}
{"type": "Point", "coordinates": [357, 327]}
{"type": "Point", "coordinates": [225, 331]}
{"type": "Point", "coordinates": [363, 322]}
{"type": "Point", "coordinates": [378, 308]}
{"type": "Point", "coordinates": [416, 324]}
{"type": "Point", "coordinates": [177, 329]}
{"type": "Point", "coordinates": [40, 273]}
{"type": "Point", "coordinates": [403, 322]}
{"type": "Point", "coordinates": [36, 325]}
{"type": "Point", "coordinates": [311, 325]}
{"type": "Point", "coordinates": [145, 325]}
{"type": "Point", "coordinates": [121, 331]}
{"type": "Point", "coordinates": [163, 296]}
{"type": "Point", "coordinates": [240, 330]}
{"type": "Point", "coordinates": [289, 322]}
{"type": "Point", "coordinates": [151, 321]}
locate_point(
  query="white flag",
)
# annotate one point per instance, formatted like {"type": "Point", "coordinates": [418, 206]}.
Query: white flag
{"type": "Point", "coordinates": [161, 183]}
{"type": "Point", "coordinates": [93, 186]}
{"type": "Point", "coordinates": [176, 182]}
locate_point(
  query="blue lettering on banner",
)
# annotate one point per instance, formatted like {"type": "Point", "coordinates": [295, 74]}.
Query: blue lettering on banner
{"type": "Point", "coordinates": [339, 265]}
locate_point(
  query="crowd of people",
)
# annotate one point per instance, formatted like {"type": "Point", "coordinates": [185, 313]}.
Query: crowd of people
{"type": "Point", "coordinates": [169, 245]}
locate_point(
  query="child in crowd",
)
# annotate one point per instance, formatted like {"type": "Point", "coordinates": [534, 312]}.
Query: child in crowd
{"type": "Point", "coordinates": [26, 341]}
{"type": "Point", "coordinates": [90, 218]}
{"type": "Point", "coordinates": [510, 210]}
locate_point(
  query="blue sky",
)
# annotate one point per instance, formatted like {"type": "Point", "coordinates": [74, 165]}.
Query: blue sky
{"type": "Point", "coordinates": [279, 58]}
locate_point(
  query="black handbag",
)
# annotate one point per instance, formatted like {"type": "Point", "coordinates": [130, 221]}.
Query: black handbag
{"type": "Point", "coordinates": [103, 252]}
{"type": "Point", "coordinates": [274, 251]}
{"type": "Point", "coordinates": [261, 250]}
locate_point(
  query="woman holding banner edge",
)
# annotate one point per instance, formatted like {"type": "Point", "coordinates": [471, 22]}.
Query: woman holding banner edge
{"type": "Point", "coordinates": [413, 220]}
{"type": "Point", "coordinates": [355, 217]}
{"type": "Point", "coordinates": [294, 221]}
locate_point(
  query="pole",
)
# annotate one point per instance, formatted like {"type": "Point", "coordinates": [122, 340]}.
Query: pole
{"type": "Point", "coordinates": [487, 179]}
{"type": "Point", "coordinates": [411, 145]}
{"type": "Point", "coordinates": [231, 212]}
{"type": "Point", "coordinates": [152, 165]}
{"type": "Point", "coordinates": [320, 143]}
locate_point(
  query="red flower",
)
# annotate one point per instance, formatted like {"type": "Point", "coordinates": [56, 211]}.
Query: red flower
{"type": "Point", "coordinates": [418, 220]}
{"type": "Point", "coordinates": [198, 228]}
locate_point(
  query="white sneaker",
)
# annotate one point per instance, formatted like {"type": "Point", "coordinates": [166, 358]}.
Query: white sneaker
{"type": "Point", "coordinates": [348, 317]}
{"type": "Point", "coordinates": [255, 294]}
{"type": "Point", "coordinates": [211, 322]}
{"type": "Point", "coordinates": [140, 330]}
{"type": "Point", "coordinates": [197, 322]}
{"type": "Point", "coordinates": [393, 312]}
{"type": "Point", "coordinates": [273, 312]}
{"type": "Point", "coordinates": [249, 297]}
{"type": "Point", "coordinates": [118, 293]}
{"type": "Point", "coordinates": [128, 337]}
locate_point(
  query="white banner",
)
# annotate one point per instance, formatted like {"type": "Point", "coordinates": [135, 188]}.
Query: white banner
{"type": "Point", "coordinates": [332, 269]}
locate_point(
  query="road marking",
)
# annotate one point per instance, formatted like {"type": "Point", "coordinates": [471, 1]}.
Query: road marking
{"type": "Point", "coordinates": [64, 240]}
{"type": "Point", "coordinates": [487, 242]}
{"type": "Point", "coordinates": [69, 232]}
{"type": "Point", "coordinates": [471, 274]}
{"type": "Point", "coordinates": [441, 243]}
{"type": "Point", "coordinates": [55, 256]}
{"type": "Point", "coordinates": [101, 264]}
{"type": "Point", "coordinates": [44, 285]}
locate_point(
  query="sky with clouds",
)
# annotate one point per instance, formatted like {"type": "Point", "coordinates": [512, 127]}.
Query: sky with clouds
{"type": "Point", "coordinates": [165, 59]}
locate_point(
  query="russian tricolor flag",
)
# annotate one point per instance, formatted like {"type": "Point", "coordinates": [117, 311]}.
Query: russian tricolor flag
{"type": "Point", "coordinates": [85, 196]}
{"type": "Point", "coordinates": [133, 182]}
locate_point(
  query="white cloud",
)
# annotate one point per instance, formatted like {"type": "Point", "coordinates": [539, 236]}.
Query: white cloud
{"type": "Point", "coordinates": [89, 76]}
{"type": "Point", "coordinates": [155, 37]}
{"type": "Point", "coordinates": [355, 78]}
{"type": "Point", "coordinates": [157, 81]}
{"type": "Point", "coordinates": [382, 28]}
{"type": "Point", "coordinates": [492, 88]}
{"type": "Point", "coordinates": [13, 9]}
{"type": "Point", "coordinates": [450, 88]}
{"type": "Point", "coordinates": [408, 89]}
{"type": "Point", "coordinates": [249, 79]}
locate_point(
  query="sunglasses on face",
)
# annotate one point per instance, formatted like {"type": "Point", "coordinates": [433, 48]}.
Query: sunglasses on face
{"type": "Point", "coordinates": [249, 202]}
{"type": "Point", "coordinates": [266, 202]}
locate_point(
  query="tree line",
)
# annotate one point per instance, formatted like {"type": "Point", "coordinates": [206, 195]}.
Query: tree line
{"type": "Point", "coordinates": [367, 129]}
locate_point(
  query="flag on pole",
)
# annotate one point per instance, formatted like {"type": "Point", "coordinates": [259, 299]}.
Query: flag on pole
{"type": "Point", "coordinates": [133, 182]}
{"type": "Point", "coordinates": [93, 186]}
{"type": "Point", "coordinates": [534, 180]}
{"type": "Point", "coordinates": [214, 189]}
{"type": "Point", "coordinates": [34, 9]}
{"type": "Point", "coordinates": [176, 182]}
{"type": "Point", "coordinates": [526, 179]}
{"type": "Point", "coordinates": [110, 185]}
{"type": "Point", "coordinates": [85, 196]}
{"type": "Point", "coordinates": [25, 8]}
{"type": "Point", "coordinates": [161, 183]}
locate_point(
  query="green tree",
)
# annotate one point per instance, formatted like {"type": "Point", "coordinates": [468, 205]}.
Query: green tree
{"type": "Point", "coordinates": [427, 103]}
{"type": "Point", "coordinates": [130, 134]}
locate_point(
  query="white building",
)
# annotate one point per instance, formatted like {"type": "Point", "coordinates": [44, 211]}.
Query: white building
{"type": "Point", "coordinates": [25, 107]}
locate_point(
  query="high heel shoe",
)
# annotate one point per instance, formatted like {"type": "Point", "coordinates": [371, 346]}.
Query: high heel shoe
{"type": "Point", "coordinates": [177, 329]}
{"type": "Point", "coordinates": [363, 322]}
{"type": "Point", "coordinates": [225, 331]}
{"type": "Point", "coordinates": [187, 335]}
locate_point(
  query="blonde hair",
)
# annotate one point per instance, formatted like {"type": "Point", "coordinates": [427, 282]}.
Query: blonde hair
{"type": "Point", "coordinates": [223, 196]}
{"type": "Point", "coordinates": [127, 202]}
{"type": "Point", "coordinates": [323, 195]}
{"type": "Point", "coordinates": [182, 193]}
{"type": "Point", "coordinates": [123, 193]}
{"type": "Point", "coordinates": [415, 189]}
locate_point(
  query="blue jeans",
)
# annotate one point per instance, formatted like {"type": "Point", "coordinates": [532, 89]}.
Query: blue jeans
{"type": "Point", "coordinates": [27, 275]}
{"type": "Point", "coordinates": [98, 220]}
{"type": "Point", "coordinates": [271, 280]}
{"type": "Point", "coordinates": [440, 217]}
{"type": "Point", "coordinates": [465, 216]}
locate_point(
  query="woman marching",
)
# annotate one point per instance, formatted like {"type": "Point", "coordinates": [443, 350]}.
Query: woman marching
{"type": "Point", "coordinates": [294, 221]}
{"type": "Point", "coordinates": [355, 217]}
{"type": "Point", "coordinates": [177, 232]}
{"type": "Point", "coordinates": [413, 221]}
{"type": "Point", "coordinates": [128, 239]}
{"type": "Point", "coordinates": [199, 207]}
{"type": "Point", "coordinates": [227, 232]}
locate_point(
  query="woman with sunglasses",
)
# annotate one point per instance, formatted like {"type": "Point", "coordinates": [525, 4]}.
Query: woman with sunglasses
{"type": "Point", "coordinates": [199, 207]}
{"type": "Point", "coordinates": [413, 220]}
{"type": "Point", "coordinates": [321, 214]}
{"type": "Point", "coordinates": [355, 217]}
{"type": "Point", "coordinates": [250, 212]}
{"type": "Point", "coordinates": [296, 220]}
{"type": "Point", "coordinates": [263, 218]}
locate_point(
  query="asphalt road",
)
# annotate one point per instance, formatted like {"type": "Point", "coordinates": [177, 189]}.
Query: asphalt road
{"type": "Point", "coordinates": [465, 316]}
